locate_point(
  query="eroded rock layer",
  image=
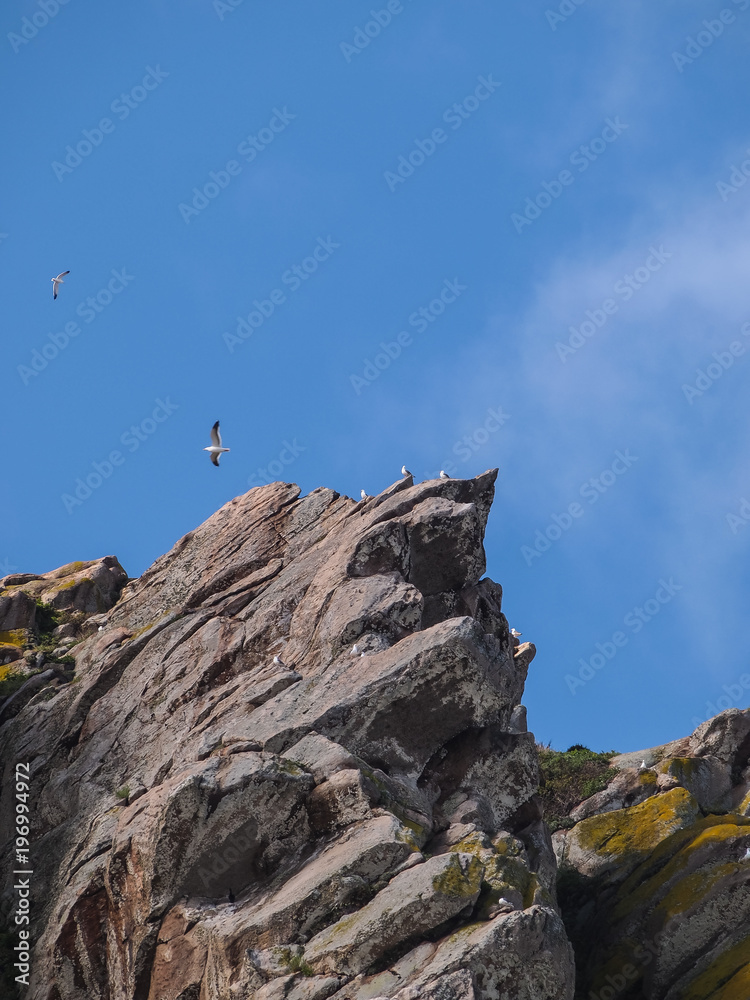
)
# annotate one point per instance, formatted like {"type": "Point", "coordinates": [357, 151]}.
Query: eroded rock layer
{"type": "Point", "coordinates": [288, 766]}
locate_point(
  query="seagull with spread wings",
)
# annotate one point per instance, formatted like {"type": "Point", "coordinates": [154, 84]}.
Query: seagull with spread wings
{"type": "Point", "coordinates": [215, 447]}
{"type": "Point", "coordinates": [56, 282]}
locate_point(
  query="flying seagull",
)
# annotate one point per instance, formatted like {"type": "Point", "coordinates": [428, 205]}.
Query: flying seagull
{"type": "Point", "coordinates": [215, 446]}
{"type": "Point", "coordinates": [56, 282]}
{"type": "Point", "coordinates": [405, 471]}
{"type": "Point", "coordinates": [444, 475]}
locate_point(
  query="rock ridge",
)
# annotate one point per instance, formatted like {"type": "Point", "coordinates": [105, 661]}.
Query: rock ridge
{"type": "Point", "coordinates": [289, 763]}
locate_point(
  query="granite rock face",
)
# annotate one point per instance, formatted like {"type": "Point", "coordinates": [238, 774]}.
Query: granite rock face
{"type": "Point", "coordinates": [655, 874]}
{"type": "Point", "coordinates": [209, 823]}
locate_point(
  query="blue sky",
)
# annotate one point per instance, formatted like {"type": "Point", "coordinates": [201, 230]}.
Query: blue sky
{"type": "Point", "coordinates": [567, 218]}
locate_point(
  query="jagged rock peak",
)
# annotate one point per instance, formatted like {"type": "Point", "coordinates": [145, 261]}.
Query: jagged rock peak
{"type": "Point", "coordinates": [291, 766]}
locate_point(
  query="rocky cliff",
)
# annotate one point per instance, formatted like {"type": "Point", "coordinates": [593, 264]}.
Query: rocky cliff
{"type": "Point", "coordinates": [655, 871]}
{"type": "Point", "coordinates": [290, 761]}
{"type": "Point", "coordinates": [287, 762]}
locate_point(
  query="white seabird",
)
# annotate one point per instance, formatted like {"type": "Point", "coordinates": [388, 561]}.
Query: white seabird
{"type": "Point", "coordinates": [405, 471]}
{"type": "Point", "coordinates": [643, 766]}
{"type": "Point", "coordinates": [355, 649]}
{"type": "Point", "coordinates": [364, 495]}
{"type": "Point", "coordinates": [444, 474]}
{"type": "Point", "coordinates": [215, 446]}
{"type": "Point", "coordinates": [56, 282]}
{"type": "Point", "coordinates": [746, 855]}
{"type": "Point", "coordinates": [515, 634]}
{"type": "Point", "coordinates": [278, 662]}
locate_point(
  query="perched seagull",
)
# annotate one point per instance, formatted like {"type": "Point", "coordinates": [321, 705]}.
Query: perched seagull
{"type": "Point", "coordinates": [502, 906]}
{"type": "Point", "coordinates": [364, 495]}
{"type": "Point", "coordinates": [746, 855]}
{"type": "Point", "coordinates": [515, 634]}
{"type": "Point", "coordinates": [215, 446]}
{"type": "Point", "coordinates": [355, 649]}
{"type": "Point", "coordinates": [643, 766]}
{"type": "Point", "coordinates": [405, 471]}
{"type": "Point", "coordinates": [56, 282]}
{"type": "Point", "coordinates": [278, 662]}
{"type": "Point", "coordinates": [444, 475]}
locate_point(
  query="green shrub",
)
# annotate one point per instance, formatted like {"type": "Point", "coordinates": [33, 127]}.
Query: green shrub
{"type": "Point", "coordinates": [568, 777]}
{"type": "Point", "coordinates": [11, 679]}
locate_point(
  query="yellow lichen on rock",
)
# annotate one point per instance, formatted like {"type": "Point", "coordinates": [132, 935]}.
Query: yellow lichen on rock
{"type": "Point", "coordinates": [454, 881]}
{"type": "Point", "coordinates": [728, 978]}
{"type": "Point", "coordinates": [670, 859]}
{"type": "Point", "coordinates": [638, 829]}
{"type": "Point", "coordinates": [690, 890]}
{"type": "Point", "coordinates": [13, 637]}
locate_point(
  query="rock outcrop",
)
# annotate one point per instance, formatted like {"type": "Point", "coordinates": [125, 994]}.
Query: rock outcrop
{"type": "Point", "coordinates": [655, 873]}
{"type": "Point", "coordinates": [291, 764]}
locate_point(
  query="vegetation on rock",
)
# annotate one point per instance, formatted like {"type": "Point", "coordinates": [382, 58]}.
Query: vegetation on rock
{"type": "Point", "coordinates": [568, 777]}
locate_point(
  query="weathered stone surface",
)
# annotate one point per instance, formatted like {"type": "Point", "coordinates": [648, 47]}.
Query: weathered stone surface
{"type": "Point", "coordinates": [485, 775]}
{"type": "Point", "coordinates": [346, 797]}
{"type": "Point", "coordinates": [88, 587]}
{"type": "Point", "coordinates": [655, 894]}
{"type": "Point", "coordinates": [518, 956]}
{"type": "Point", "coordinates": [617, 842]}
{"type": "Point", "coordinates": [415, 902]}
{"type": "Point", "coordinates": [17, 610]}
{"type": "Point", "coordinates": [321, 756]}
{"type": "Point", "coordinates": [202, 814]}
